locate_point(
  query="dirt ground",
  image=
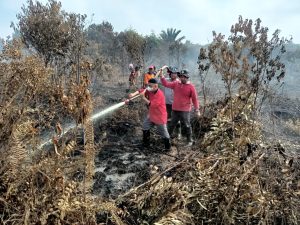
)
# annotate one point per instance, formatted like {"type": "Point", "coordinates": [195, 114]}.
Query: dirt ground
{"type": "Point", "coordinates": [121, 161]}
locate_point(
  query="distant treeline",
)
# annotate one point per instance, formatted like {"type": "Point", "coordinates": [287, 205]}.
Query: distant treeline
{"type": "Point", "coordinates": [64, 41]}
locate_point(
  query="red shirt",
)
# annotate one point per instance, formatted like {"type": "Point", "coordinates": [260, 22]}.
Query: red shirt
{"type": "Point", "coordinates": [184, 95]}
{"type": "Point", "coordinates": [157, 108]}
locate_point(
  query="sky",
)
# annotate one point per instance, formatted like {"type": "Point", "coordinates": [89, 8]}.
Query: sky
{"type": "Point", "coordinates": [195, 18]}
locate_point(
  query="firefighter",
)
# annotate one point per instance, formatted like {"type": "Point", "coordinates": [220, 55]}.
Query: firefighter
{"type": "Point", "coordinates": [184, 95]}
{"type": "Point", "coordinates": [157, 114]}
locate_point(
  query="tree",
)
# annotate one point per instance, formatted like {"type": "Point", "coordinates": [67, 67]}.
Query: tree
{"type": "Point", "coordinates": [134, 44]}
{"type": "Point", "coordinates": [152, 48]}
{"type": "Point", "coordinates": [248, 61]}
{"type": "Point", "coordinates": [48, 29]}
{"type": "Point", "coordinates": [173, 43]}
{"type": "Point", "coordinates": [170, 36]}
{"type": "Point", "coordinates": [103, 34]}
{"type": "Point", "coordinates": [78, 45]}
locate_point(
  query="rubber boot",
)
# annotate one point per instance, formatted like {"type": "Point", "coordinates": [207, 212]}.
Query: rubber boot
{"type": "Point", "coordinates": [189, 140]}
{"type": "Point", "coordinates": [167, 144]}
{"type": "Point", "coordinates": [146, 138]}
{"type": "Point", "coordinates": [178, 131]}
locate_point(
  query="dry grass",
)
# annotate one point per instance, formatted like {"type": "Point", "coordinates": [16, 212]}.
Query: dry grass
{"type": "Point", "coordinates": [228, 180]}
{"type": "Point", "coordinates": [232, 176]}
{"type": "Point", "coordinates": [39, 187]}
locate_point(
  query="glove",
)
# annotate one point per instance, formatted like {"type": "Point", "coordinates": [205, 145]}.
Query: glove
{"type": "Point", "coordinates": [164, 67]}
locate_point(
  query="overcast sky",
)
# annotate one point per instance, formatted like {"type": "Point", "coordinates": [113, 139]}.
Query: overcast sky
{"type": "Point", "coordinates": [195, 18]}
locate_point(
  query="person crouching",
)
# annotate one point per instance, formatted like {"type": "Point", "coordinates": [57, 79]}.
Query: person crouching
{"type": "Point", "coordinates": [157, 113]}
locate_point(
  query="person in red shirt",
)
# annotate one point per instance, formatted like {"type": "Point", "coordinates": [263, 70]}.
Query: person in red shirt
{"type": "Point", "coordinates": [157, 114]}
{"type": "Point", "coordinates": [184, 96]}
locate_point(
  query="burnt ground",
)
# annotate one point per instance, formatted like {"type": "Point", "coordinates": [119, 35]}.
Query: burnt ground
{"type": "Point", "coordinates": [121, 161]}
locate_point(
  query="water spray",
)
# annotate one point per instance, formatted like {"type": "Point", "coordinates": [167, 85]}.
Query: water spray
{"type": "Point", "coordinates": [95, 117]}
{"type": "Point", "coordinates": [111, 108]}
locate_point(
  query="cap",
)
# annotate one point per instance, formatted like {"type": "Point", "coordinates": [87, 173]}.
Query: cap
{"type": "Point", "coordinates": [153, 81]}
{"type": "Point", "coordinates": [184, 73]}
{"type": "Point", "coordinates": [173, 70]}
{"type": "Point", "coordinates": [151, 67]}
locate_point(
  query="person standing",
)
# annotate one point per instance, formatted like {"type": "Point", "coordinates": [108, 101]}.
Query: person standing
{"type": "Point", "coordinates": [168, 92]}
{"type": "Point", "coordinates": [184, 96]}
{"type": "Point", "coordinates": [151, 74]}
{"type": "Point", "coordinates": [157, 114]}
{"type": "Point", "coordinates": [147, 76]}
{"type": "Point", "coordinates": [134, 74]}
{"type": "Point", "coordinates": [169, 96]}
{"type": "Point", "coordinates": [131, 75]}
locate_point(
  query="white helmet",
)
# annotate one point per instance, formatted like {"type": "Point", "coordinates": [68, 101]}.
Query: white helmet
{"type": "Point", "coordinates": [131, 67]}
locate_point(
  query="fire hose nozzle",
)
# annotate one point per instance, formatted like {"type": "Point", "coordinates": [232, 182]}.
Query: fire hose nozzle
{"type": "Point", "coordinates": [128, 100]}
